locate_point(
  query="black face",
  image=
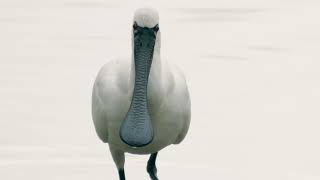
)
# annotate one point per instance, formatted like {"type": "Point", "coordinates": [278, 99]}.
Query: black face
{"type": "Point", "coordinates": [143, 36]}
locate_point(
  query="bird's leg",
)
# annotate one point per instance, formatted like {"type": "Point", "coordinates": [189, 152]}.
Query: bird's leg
{"type": "Point", "coordinates": [121, 174]}
{"type": "Point", "coordinates": [118, 158]}
{"type": "Point", "coordinates": [151, 167]}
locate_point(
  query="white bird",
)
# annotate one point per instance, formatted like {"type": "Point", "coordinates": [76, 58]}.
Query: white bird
{"type": "Point", "coordinates": [141, 104]}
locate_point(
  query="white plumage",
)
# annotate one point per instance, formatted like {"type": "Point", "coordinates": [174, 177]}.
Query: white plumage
{"type": "Point", "coordinates": [168, 99]}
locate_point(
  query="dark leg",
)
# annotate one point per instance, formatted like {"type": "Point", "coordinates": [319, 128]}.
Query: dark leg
{"type": "Point", "coordinates": [121, 174]}
{"type": "Point", "coordinates": [151, 167]}
{"type": "Point", "coordinates": [118, 158]}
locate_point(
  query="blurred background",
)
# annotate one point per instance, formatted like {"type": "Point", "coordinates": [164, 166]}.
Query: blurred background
{"type": "Point", "coordinates": [252, 68]}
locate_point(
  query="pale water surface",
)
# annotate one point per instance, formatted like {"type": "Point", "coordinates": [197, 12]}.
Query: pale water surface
{"type": "Point", "coordinates": [252, 67]}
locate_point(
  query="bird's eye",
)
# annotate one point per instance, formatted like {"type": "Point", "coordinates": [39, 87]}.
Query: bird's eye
{"type": "Point", "coordinates": [156, 28]}
{"type": "Point", "coordinates": [135, 26]}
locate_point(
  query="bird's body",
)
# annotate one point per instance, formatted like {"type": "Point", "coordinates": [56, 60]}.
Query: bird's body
{"type": "Point", "coordinates": [168, 99]}
{"type": "Point", "coordinates": [117, 89]}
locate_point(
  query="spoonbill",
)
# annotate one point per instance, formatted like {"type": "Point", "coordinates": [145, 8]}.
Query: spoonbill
{"type": "Point", "coordinates": [141, 104]}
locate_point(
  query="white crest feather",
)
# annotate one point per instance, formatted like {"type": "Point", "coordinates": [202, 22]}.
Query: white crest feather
{"type": "Point", "coordinates": [146, 17]}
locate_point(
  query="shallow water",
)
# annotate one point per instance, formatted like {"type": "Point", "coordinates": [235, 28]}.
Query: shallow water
{"type": "Point", "coordinates": [252, 69]}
